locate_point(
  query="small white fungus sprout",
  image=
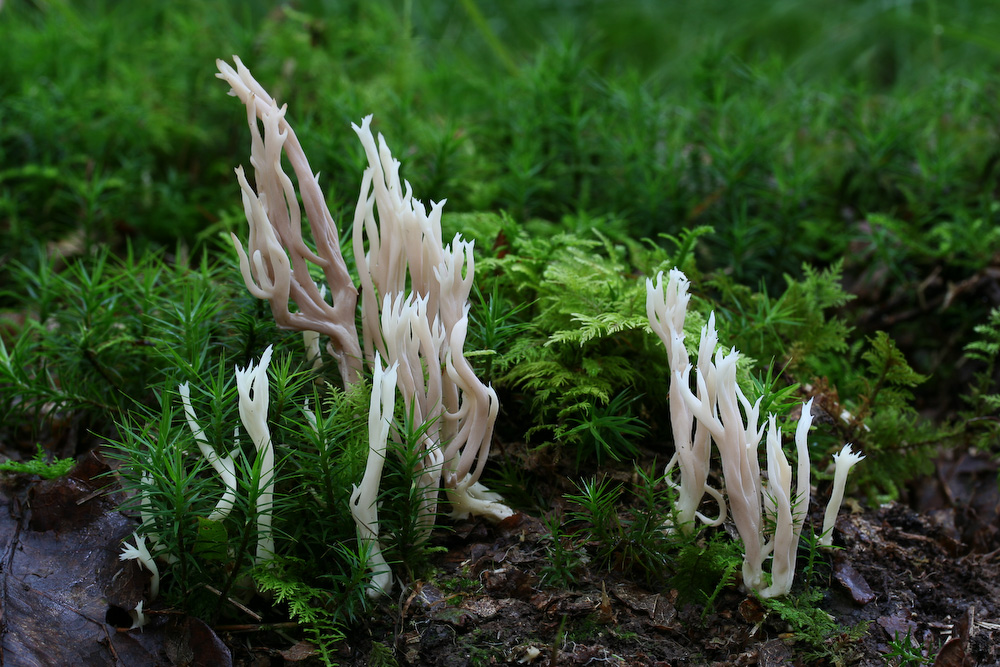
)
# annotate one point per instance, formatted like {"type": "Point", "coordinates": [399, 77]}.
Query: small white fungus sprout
{"type": "Point", "coordinates": [139, 619]}
{"type": "Point", "coordinates": [251, 382]}
{"type": "Point", "coordinates": [224, 466]}
{"type": "Point", "coordinates": [844, 461]}
{"type": "Point", "coordinates": [140, 553]}
{"type": "Point", "coordinates": [364, 499]}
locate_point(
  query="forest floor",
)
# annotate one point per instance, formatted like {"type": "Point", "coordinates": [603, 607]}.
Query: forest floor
{"type": "Point", "coordinates": [928, 570]}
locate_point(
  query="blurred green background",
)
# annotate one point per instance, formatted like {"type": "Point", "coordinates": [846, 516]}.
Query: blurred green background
{"type": "Point", "coordinates": [799, 131]}
{"type": "Point", "coordinates": [760, 116]}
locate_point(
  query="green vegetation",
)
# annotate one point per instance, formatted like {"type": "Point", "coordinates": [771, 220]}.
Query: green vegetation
{"type": "Point", "coordinates": [981, 399]}
{"type": "Point", "coordinates": [634, 542]}
{"type": "Point", "coordinates": [39, 465]}
{"type": "Point", "coordinates": [905, 653]}
{"type": "Point", "coordinates": [825, 175]}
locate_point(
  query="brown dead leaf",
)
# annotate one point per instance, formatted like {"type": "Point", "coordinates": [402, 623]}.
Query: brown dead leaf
{"type": "Point", "coordinates": [60, 568]}
{"type": "Point", "coordinates": [852, 580]}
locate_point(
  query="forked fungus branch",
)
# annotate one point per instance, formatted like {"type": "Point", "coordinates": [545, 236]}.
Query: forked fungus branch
{"type": "Point", "coordinates": [414, 294]}
{"type": "Point", "coordinates": [768, 516]}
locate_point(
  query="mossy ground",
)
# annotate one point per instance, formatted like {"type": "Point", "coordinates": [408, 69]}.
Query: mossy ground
{"type": "Point", "coordinates": [823, 174]}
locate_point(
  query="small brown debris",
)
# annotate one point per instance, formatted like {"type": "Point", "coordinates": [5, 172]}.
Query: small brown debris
{"type": "Point", "coordinates": [852, 580]}
{"type": "Point", "coordinates": [955, 651]}
{"type": "Point", "coordinates": [752, 611]}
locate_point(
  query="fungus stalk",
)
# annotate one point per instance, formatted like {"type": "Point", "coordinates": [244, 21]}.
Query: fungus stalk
{"type": "Point", "coordinates": [424, 289]}
{"type": "Point", "coordinates": [719, 411]}
{"type": "Point", "coordinates": [364, 499]}
{"type": "Point", "coordinates": [750, 499]}
{"type": "Point", "coordinates": [403, 265]}
{"type": "Point", "coordinates": [666, 310]}
{"type": "Point", "coordinates": [844, 461]}
{"type": "Point", "coordinates": [140, 553]}
{"type": "Point", "coordinates": [472, 405]}
{"type": "Point", "coordinates": [414, 345]}
{"type": "Point", "coordinates": [275, 265]}
{"type": "Point", "coordinates": [252, 385]}
{"type": "Point", "coordinates": [788, 511]}
{"type": "Point", "coordinates": [738, 442]}
{"type": "Point", "coordinates": [225, 467]}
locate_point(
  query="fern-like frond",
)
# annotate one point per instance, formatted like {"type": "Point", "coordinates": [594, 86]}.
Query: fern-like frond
{"type": "Point", "coordinates": [593, 327]}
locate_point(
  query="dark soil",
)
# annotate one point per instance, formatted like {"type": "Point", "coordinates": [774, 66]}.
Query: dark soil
{"type": "Point", "coordinates": [934, 576]}
{"type": "Point", "coordinates": [929, 570]}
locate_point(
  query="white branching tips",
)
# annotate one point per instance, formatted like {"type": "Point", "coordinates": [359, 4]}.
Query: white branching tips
{"type": "Point", "coordinates": [252, 385]}
{"type": "Point", "coordinates": [718, 411]}
{"type": "Point", "coordinates": [140, 553]}
{"type": "Point", "coordinates": [733, 424]}
{"type": "Point", "coordinates": [787, 511]}
{"type": "Point", "coordinates": [275, 266]}
{"type": "Point", "coordinates": [404, 240]}
{"type": "Point", "coordinates": [364, 500]}
{"type": "Point", "coordinates": [224, 466]}
{"type": "Point", "coordinates": [424, 290]}
{"type": "Point", "coordinates": [415, 345]}
{"type": "Point", "coordinates": [666, 310]}
{"type": "Point", "coordinates": [737, 439]}
{"type": "Point", "coordinates": [844, 461]}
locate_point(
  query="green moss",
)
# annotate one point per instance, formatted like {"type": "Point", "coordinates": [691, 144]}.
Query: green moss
{"type": "Point", "coordinates": [39, 465]}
